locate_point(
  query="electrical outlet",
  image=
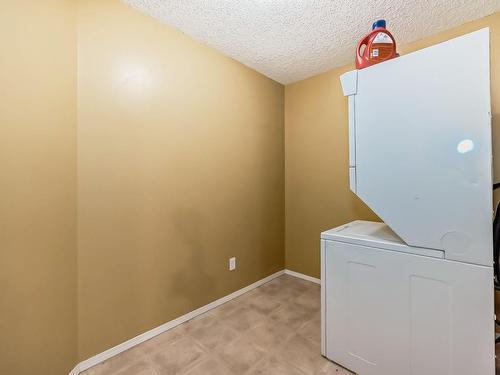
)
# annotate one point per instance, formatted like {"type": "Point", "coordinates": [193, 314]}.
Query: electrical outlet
{"type": "Point", "coordinates": [232, 263]}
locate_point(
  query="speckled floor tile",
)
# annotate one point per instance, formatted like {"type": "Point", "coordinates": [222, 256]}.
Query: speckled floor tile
{"type": "Point", "coordinates": [271, 330]}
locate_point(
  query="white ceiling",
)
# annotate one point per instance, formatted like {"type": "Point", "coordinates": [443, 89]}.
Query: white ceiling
{"type": "Point", "coordinates": [289, 40]}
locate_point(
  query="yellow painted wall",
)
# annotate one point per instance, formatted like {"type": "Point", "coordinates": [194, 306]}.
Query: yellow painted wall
{"type": "Point", "coordinates": [180, 166]}
{"type": "Point", "coordinates": [316, 143]}
{"type": "Point", "coordinates": [37, 187]}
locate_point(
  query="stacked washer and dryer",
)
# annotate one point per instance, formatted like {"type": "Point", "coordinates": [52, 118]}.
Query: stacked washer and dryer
{"type": "Point", "coordinates": [414, 295]}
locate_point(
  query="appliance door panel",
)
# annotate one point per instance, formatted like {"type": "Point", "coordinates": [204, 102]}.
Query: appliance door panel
{"type": "Point", "coordinates": [387, 312]}
{"type": "Point", "coordinates": [423, 146]}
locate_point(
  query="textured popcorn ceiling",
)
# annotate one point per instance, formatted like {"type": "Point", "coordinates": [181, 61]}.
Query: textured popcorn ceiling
{"type": "Point", "coordinates": [289, 40]}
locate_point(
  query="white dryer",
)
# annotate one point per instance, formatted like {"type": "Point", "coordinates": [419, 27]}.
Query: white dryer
{"type": "Point", "coordinates": [414, 295]}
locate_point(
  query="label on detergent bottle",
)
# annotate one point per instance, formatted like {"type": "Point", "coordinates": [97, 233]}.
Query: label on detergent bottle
{"type": "Point", "coordinates": [382, 38]}
{"type": "Point", "coordinates": [381, 47]}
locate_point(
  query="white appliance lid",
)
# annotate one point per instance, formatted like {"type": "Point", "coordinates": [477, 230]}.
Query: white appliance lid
{"type": "Point", "coordinates": [377, 235]}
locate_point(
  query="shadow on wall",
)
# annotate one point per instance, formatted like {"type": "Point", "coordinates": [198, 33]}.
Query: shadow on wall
{"type": "Point", "coordinates": [496, 154]}
{"type": "Point", "coordinates": [496, 178]}
{"type": "Point", "coordinates": [189, 224]}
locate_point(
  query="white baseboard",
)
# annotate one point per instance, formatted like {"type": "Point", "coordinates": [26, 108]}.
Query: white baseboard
{"type": "Point", "coordinates": [101, 357]}
{"type": "Point", "coordinates": [76, 370]}
{"type": "Point", "coordinates": [302, 276]}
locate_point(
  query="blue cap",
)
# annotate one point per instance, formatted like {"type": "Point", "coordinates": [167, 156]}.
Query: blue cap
{"type": "Point", "coordinates": [379, 23]}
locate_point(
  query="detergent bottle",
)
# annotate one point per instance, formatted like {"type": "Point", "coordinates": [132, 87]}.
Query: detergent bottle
{"type": "Point", "coordinates": [379, 45]}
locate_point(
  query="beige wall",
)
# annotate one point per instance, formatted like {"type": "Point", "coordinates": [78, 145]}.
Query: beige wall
{"type": "Point", "coordinates": [317, 191]}
{"type": "Point", "coordinates": [37, 187]}
{"type": "Point", "coordinates": [180, 166]}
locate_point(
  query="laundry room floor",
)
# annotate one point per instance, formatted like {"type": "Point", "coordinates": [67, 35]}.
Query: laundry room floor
{"type": "Point", "coordinates": [274, 329]}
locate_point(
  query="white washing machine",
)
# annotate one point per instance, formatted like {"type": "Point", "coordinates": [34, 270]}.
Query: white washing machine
{"type": "Point", "coordinates": [414, 295]}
